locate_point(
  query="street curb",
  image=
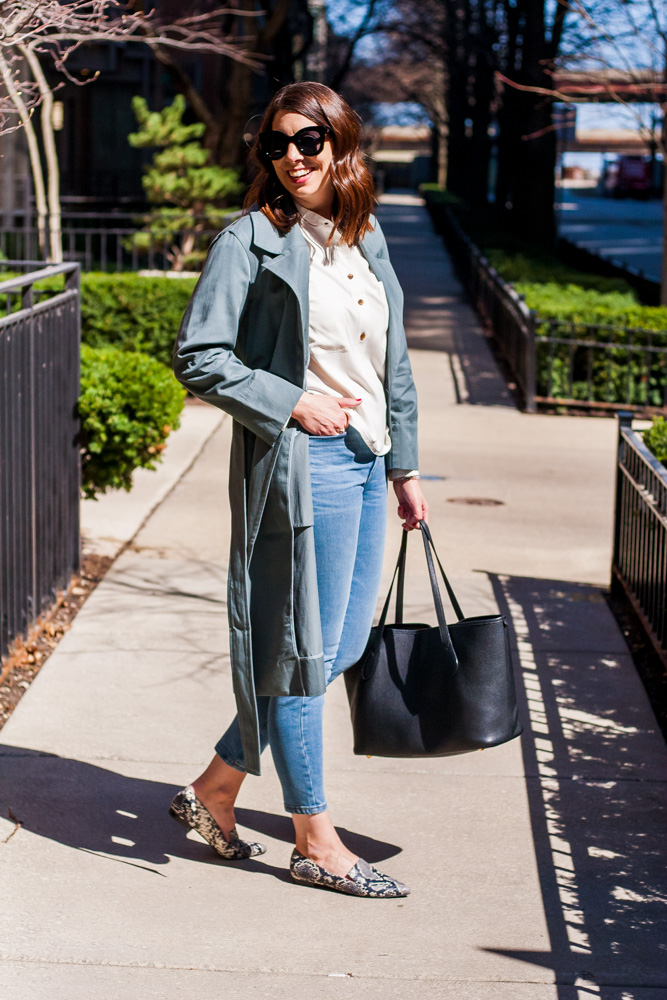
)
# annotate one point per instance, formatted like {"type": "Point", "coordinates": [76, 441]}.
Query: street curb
{"type": "Point", "coordinates": [109, 523]}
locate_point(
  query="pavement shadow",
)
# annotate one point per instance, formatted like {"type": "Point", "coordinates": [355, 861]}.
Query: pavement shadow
{"type": "Point", "coordinates": [596, 766]}
{"type": "Point", "coordinates": [124, 818]}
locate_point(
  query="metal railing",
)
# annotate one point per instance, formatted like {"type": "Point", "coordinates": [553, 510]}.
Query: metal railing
{"type": "Point", "coordinates": [501, 308]}
{"type": "Point", "coordinates": [639, 566]}
{"type": "Point", "coordinates": [39, 445]}
{"type": "Point", "coordinates": [557, 362]}
{"type": "Point", "coordinates": [106, 243]}
{"type": "Point", "coordinates": [603, 366]}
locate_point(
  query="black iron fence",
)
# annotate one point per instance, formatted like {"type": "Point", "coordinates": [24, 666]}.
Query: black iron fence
{"type": "Point", "coordinates": [110, 243]}
{"type": "Point", "coordinates": [39, 448]}
{"type": "Point", "coordinates": [557, 362]}
{"type": "Point", "coordinates": [502, 309]}
{"type": "Point", "coordinates": [602, 366]}
{"type": "Point", "coordinates": [639, 567]}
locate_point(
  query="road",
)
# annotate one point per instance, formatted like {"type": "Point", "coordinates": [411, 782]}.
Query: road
{"type": "Point", "coordinates": [626, 230]}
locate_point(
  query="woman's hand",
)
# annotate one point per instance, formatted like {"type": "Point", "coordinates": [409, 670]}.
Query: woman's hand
{"type": "Point", "coordinates": [412, 505]}
{"type": "Point", "coordinates": [323, 415]}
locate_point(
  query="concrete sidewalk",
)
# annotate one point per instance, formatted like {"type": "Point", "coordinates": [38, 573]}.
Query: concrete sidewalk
{"type": "Point", "coordinates": [535, 867]}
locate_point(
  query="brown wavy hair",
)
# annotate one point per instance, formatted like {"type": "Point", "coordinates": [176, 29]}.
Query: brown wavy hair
{"type": "Point", "coordinates": [354, 195]}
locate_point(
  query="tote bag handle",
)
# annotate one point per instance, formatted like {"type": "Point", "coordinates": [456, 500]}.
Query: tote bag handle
{"type": "Point", "coordinates": [371, 660]}
{"type": "Point", "coordinates": [429, 546]}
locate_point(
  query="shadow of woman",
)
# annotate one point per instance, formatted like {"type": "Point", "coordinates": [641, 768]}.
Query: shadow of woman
{"type": "Point", "coordinates": [122, 817]}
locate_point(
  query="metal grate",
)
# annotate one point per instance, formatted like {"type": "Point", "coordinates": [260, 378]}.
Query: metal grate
{"type": "Point", "coordinates": [39, 445]}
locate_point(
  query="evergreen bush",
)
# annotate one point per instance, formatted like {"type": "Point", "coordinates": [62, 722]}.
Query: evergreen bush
{"type": "Point", "coordinates": [128, 405]}
{"type": "Point", "coordinates": [655, 439]}
{"type": "Point", "coordinates": [189, 193]}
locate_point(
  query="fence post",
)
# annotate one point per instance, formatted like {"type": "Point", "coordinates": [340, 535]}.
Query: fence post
{"type": "Point", "coordinates": [530, 364]}
{"type": "Point", "coordinates": [624, 422]}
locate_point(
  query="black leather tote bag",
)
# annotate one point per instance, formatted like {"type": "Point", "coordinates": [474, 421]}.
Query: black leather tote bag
{"type": "Point", "coordinates": [422, 691]}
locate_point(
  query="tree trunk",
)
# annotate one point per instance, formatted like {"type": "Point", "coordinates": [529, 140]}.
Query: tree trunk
{"type": "Point", "coordinates": [240, 82]}
{"type": "Point", "coordinates": [532, 183]}
{"type": "Point", "coordinates": [663, 143]}
{"type": "Point", "coordinates": [50, 154]}
{"type": "Point", "coordinates": [663, 273]}
{"type": "Point", "coordinates": [457, 58]}
{"type": "Point", "coordinates": [186, 87]}
{"type": "Point", "coordinates": [480, 143]}
{"type": "Point", "coordinates": [33, 152]}
{"type": "Point", "coordinates": [440, 114]}
{"type": "Point", "coordinates": [228, 152]}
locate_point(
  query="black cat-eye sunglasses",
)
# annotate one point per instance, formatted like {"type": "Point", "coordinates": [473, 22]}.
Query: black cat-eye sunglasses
{"type": "Point", "coordinates": [309, 141]}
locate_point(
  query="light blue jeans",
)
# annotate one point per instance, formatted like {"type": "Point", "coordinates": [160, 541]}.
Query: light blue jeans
{"type": "Point", "coordinates": [350, 503]}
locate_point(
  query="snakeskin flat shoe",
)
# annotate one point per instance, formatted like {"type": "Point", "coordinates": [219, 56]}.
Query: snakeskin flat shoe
{"type": "Point", "coordinates": [187, 810]}
{"type": "Point", "coordinates": [361, 880]}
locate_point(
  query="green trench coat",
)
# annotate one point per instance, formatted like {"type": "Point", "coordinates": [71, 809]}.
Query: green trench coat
{"type": "Point", "coordinates": [243, 346]}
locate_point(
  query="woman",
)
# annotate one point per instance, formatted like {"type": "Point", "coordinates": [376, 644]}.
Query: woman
{"type": "Point", "coordinates": [295, 329]}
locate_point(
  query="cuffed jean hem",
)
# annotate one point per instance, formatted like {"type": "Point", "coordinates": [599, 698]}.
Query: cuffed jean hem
{"type": "Point", "coordinates": [305, 810]}
{"type": "Point", "coordinates": [228, 759]}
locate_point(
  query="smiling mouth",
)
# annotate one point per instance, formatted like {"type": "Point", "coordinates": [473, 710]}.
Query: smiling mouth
{"type": "Point", "coordinates": [299, 174]}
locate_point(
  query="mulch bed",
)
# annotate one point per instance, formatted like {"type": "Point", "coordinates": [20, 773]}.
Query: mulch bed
{"type": "Point", "coordinates": [21, 667]}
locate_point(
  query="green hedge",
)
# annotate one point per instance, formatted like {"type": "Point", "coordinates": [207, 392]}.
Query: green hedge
{"type": "Point", "coordinates": [655, 439]}
{"type": "Point", "coordinates": [618, 376]}
{"type": "Point", "coordinates": [133, 313]}
{"type": "Point", "coordinates": [128, 405]}
{"type": "Point", "coordinates": [572, 305]}
{"type": "Point", "coordinates": [544, 268]}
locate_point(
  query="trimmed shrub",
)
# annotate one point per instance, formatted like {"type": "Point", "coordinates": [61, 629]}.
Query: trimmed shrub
{"type": "Point", "coordinates": [617, 375]}
{"type": "Point", "coordinates": [544, 268]}
{"type": "Point", "coordinates": [570, 304]}
{"type": "Point", "coordinates": [655, 439]}
{"type": "Point", "coordinates": [128, 405]}
{"type": "Point", "coordinates": [574, 304]}
{"type": "Point", "coordinates": [133, 313]}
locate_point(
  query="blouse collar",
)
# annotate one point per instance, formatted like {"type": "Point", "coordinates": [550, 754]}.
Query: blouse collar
{"type": "Point", "coordinates": [317, 227]}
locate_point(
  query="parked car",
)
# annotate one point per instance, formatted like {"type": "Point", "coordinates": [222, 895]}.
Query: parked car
{"type": "Point", "coordinates": [631, 176]}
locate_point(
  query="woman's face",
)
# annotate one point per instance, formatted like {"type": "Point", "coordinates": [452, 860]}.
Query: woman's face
{"type": "Point", "coordinates": [307, 178]}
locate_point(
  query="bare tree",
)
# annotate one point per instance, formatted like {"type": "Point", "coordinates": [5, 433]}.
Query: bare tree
{"type": "Point", "coordinates": [35, 34]}
{"type": "Point", "coordinates": [616, 51]}
{"type": "Point", "coordinates": [628, 42]}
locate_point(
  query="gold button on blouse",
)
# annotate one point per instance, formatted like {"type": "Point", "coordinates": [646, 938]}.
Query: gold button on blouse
{"type": "Point", "coordinates": [350, 276]}
{"type": "Point", "coordinates": [361, 302]}
{"type": "Point", "coordinates": [362, 337]}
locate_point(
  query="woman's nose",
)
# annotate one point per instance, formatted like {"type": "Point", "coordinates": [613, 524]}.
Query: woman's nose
{"type": "Point", "coordinates": [293, 155]}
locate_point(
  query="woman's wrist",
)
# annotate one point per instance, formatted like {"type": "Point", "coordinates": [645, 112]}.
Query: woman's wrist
{"type": "Point", "coordinates": [402, 475]}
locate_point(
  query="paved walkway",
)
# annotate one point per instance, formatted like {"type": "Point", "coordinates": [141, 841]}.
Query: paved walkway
{"type": "Point", "coordinates": [535, 867]}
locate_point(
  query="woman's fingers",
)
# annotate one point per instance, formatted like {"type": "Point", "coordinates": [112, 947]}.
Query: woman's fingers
{"type": "Point", "coordinates": [324, 415]}
{"type": "Point", "coordinates": [413, 507]}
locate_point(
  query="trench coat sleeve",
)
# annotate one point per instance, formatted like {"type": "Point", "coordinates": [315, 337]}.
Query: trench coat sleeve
{"type": "Point", "coordinates": [402, 397]}
{"type": "Point", "coordinates": [205, 361]}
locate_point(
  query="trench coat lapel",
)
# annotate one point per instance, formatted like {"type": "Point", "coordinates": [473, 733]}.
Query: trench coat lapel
{"type": "Point", "coordinates": [290, 261]}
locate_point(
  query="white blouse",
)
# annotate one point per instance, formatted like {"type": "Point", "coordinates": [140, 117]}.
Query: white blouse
{"type": "Point", "coordinates": [348, 320]}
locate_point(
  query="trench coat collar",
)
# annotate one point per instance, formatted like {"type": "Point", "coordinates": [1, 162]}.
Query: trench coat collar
{"type": "Point", "coordinates": [290, 261]}
{"type": "Point", "coordinates": [267, 237]}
